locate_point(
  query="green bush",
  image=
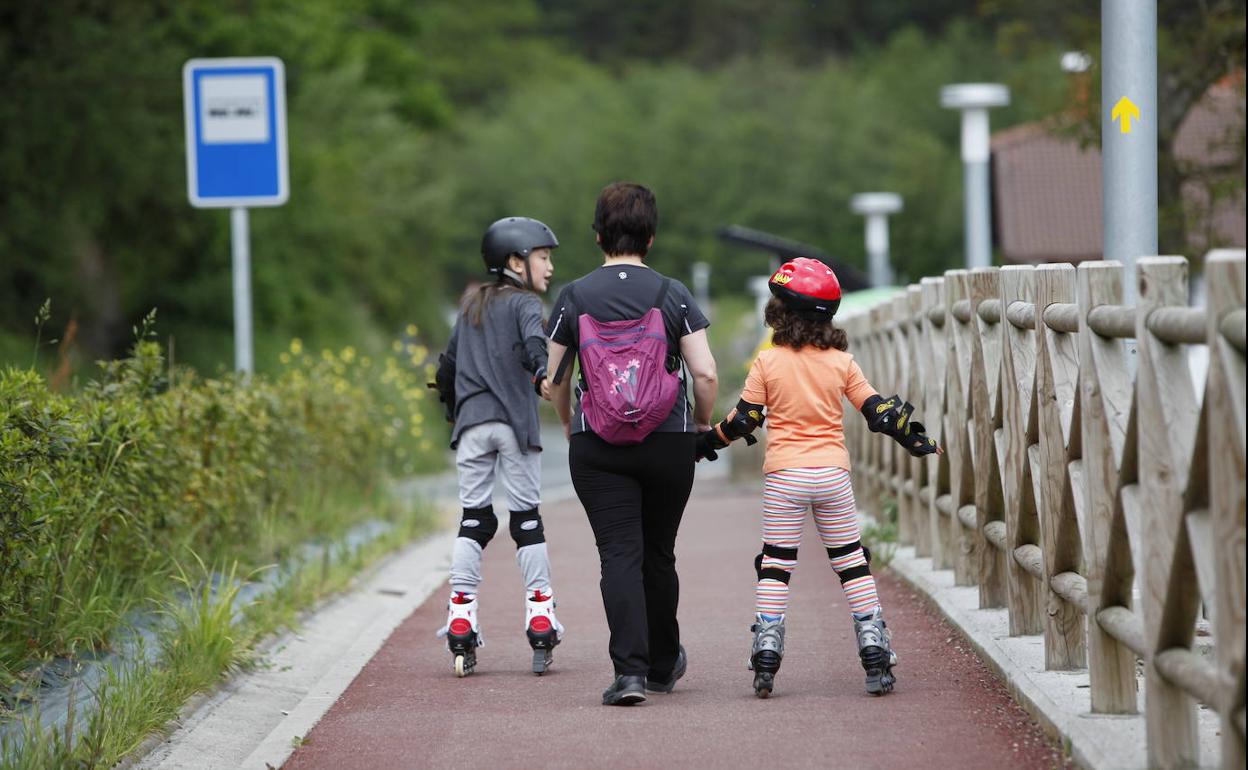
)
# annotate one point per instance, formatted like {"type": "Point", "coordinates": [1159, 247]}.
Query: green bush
{"type": "Point", "coordinates": [103, 490]}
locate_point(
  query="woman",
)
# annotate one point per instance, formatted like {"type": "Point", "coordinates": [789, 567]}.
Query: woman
{"type": "Point", "coordinates": [634, 494]}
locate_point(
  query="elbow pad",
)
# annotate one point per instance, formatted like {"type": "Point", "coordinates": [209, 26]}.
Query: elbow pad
{"type": "Point", "coordinates": [742, 422]}
{"type": "Point", "coordinates": [444, 383]}
{"type": "Point", "coordinates": [533, 355]}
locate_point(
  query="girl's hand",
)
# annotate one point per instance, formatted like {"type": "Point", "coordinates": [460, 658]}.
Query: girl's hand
{"type": "Point", "coordinates": [700, 428]}
{"type": "Point", "coordinates": [545, 388]}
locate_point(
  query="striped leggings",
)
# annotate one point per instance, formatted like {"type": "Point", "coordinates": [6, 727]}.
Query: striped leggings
{"type": "Point", "coordinates": [787, 496]}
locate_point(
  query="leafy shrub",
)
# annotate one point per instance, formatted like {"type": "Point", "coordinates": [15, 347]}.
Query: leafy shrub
{"type": "Point", "coordinates": [100, 491]}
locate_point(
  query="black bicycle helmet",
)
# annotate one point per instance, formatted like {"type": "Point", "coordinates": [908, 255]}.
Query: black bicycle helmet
{"type": "Point", "coordinates": [514, 235]}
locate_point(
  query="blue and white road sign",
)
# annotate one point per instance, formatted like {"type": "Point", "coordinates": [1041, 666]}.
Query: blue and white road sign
{"type": "Point", "coordinates": [235, 132]}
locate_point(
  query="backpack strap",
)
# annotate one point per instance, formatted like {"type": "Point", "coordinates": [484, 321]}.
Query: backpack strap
{"type": "Point", "coordinates": [570, 353]}
{"type": "Point", "coordinates": [663, 287]}
{"type": "Point", "coordinates": [658, 304]}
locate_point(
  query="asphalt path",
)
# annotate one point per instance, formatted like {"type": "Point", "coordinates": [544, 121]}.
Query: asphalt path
{"type": "Point", "coordinates": [406, 708]}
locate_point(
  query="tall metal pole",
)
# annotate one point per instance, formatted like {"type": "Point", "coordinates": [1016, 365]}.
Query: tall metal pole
{"type": "Point", "coordinates": [974, 100]}
{"type": "Point", "coordinates": [1129, 131]}
{"type": "Point", "coordinates": [876, 207]}
{"type": "Point", "coordinates": [240, 239]}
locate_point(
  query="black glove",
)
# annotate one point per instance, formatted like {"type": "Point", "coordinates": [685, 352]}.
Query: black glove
{"type": "Point", "coordinates": [444, 383]}
{"type": "Point", "coordinates": [707, 444]}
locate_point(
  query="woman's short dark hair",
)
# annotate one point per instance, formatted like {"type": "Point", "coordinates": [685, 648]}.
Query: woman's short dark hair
{"type": "Point", "coordinates": [626, 218]}
{"type": "Point", "coordinates": [792, 329]}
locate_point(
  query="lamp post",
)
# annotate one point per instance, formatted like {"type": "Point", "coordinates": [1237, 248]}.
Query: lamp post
{"type": "Point", "coordinates": [974, 100]}
{"type": "Point", "coordinates": [876, 206]}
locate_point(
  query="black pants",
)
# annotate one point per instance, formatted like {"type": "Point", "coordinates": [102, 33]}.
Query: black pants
{"type": "Point", "coordinates": [634, 497]}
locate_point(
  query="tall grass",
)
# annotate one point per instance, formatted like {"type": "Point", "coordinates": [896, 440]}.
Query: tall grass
{"type": "Point", "coordinates": [101, 490]}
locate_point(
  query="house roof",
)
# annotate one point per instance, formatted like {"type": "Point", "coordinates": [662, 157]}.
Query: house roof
{"type": "Point", "coordinates": [1047, 188]}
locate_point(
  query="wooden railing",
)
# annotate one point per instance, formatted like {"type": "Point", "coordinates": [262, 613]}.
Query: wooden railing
{"type": "Point", "coordinates": [1091, 485]}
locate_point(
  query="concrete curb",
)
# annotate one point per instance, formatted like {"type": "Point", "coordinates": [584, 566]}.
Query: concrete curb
{"type": "Point", "coordinates": [1058, 700]}
{"type": "Point", "coordinates": [278, 745]}
{"type": "Point", "coordinates": [252, 720]}
{"type": "Point", "coordinates": [256, 719]}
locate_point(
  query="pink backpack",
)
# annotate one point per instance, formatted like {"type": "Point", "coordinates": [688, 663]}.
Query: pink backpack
{"type": "Point", "coordinates": [628, 389]}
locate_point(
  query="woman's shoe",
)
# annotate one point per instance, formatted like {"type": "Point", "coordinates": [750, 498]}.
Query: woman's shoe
{"type": "Point", "coordinates": [625, 691]}
{"type": "Point", "coordinates": [682, 663]}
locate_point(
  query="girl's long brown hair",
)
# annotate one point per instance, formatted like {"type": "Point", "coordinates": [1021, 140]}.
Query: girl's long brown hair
{"type": "Point", "coordinates": [793, 330]}
{"type": "Point", "coordinates": [477, 302]}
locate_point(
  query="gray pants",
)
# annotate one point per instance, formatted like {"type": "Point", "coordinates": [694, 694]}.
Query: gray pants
{"type": "Point", "coordinates": [485, 451]}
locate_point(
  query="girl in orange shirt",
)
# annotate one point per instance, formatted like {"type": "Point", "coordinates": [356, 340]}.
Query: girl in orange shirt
{"type": "Point", "coordinates": [802, 383]}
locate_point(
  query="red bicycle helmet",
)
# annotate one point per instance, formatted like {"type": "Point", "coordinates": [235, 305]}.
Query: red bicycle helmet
{"type": "Point", "coordinates": [807, 286]}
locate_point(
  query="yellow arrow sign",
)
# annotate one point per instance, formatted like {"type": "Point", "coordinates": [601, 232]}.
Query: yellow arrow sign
{"type": "Point", "coordinates": [1126, 110]}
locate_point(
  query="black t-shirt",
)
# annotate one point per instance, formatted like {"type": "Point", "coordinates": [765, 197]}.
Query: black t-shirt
{"type": "Point", "coordinates": [624, 292]}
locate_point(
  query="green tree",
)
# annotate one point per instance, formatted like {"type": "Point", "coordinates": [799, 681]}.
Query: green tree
{"type": "Point", "coordinates": [763, 142]}
{"type": "Point", "coordinates": [93, 210]}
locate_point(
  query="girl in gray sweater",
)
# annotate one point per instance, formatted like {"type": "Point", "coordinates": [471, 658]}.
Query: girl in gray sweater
{"type": "Point", "coordinates": [490, 378]}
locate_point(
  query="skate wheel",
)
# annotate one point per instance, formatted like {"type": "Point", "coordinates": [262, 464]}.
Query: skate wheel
{"type": "Point", "coordinates": [541, 661]}
{"type": "Point", "coordinates": [460, 669]}
{"type": "Point", "coordinates": [763, 685]}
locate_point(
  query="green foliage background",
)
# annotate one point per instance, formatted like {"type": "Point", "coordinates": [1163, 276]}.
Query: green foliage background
{"type": "Point", "coordinates": [412, 125]}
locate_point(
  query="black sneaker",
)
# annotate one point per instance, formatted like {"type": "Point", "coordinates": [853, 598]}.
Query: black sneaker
{"type": "Point", "coordinates": [625, 691]}
{"type": "Point", "coordinates": [682, 663]}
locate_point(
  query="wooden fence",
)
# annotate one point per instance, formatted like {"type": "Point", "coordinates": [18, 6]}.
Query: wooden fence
{"type": "Point", "coordinates": [1091, 485]}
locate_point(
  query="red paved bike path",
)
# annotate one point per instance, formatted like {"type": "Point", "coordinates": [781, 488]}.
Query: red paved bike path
{"type": "Point", "coordinates": [406, 709]}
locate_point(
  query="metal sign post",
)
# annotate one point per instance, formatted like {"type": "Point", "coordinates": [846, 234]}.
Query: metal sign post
{"type": "Point", "coordinates": [235, 113]}
{"type": "Point", "coordinates": [1129, 132]}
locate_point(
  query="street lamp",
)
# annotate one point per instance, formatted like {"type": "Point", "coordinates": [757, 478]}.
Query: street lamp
{"type": "Point", "coordinates": [876, 206]}
{"type": "Point", "coordinates": [974, 100]}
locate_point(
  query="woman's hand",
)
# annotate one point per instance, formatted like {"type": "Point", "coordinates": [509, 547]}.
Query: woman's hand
{"type": "Point", "coordinates": [700, 428]}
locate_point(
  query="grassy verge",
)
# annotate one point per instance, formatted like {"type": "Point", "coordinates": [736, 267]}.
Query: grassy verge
{"type": "Point", "coordinates": [207, 636]}
{"type": "Point", "coordinates": [881, 535]}
{"type": "Point", "coordinates": [109, 491]}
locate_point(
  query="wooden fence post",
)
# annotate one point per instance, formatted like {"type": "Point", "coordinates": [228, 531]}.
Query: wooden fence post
{"type": "Point", "coordinates": [957, 433]}
{"type": "Point", "coordinates": [1021, 436]}
{"type": "Point", "coordinates": [855, 435]}
{"type": "Point", "coordinates": [916, 389]}
{"type": "Point", "coordinates": [1168, 414]}
{"type": "Point", "coordinates": [899, 354]}
{"type": "Point", "coordinates": [984, 287]}
{"type": "Point", "coordinates": [1224, 275]}
{"type": "Point", "coordinates": [935, 323]}
{"type": "Point", "coordinates": [1108, 464]}
{"type": "Point", "coordinates": [1057, 377]}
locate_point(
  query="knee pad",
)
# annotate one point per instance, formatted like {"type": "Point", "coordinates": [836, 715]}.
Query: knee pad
{"type": "Point", "coordinates": [527, 528]}
{"type": "Point", "coordinates": [851, 573]}
{"type": "Point", "coordinates": [774, 573]}
{"type": "Point", "coordinates": [479, 524]}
